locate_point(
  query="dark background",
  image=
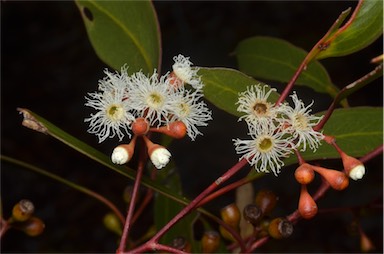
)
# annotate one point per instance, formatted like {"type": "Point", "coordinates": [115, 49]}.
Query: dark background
{"type": "Point", "coordinates": [48, 66]}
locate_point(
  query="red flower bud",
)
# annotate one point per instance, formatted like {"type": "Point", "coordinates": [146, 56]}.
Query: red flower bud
{"type": "Point", "coordinates": [307, 206]}
{"type": "Point", "coordinates": [140, 126]}
{"type": "Point", "coordinates": [338, 180]}
{"type": "Point", "coordinates": [304, 174]}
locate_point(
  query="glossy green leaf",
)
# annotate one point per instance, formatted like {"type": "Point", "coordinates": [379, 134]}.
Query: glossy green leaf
{"type": "Point", "coordinates": [357, 130]}
{"type": "Point", "coordinates": [275, 59]}
{"type": "Point", "coordinates": [364, 29]}
{"type": "Point", "coordinates": [123, 32]}
{"type": "Point", "coordinates": [36, 122]}
{"type": "Point", "coordinates": [222, 87]}
{"type": "Point", "coordinates": [165, 209]}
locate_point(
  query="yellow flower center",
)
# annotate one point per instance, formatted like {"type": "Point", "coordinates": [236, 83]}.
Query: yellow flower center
{"type": "Point", "coordinates": [260, 108]}
{"type": "Point", "coordinates": [300, 122]}
{"type": "Point", "coordinates": [115, 112]}
{"type": "Point", "coordinates": [184, 109]}
{"type": "Point", "coordinates": [155, 100]}
{"type": "Point", "coordinates": [265, 144]}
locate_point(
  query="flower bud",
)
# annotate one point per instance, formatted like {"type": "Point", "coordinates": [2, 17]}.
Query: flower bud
{"type": "Point", "coordinates": [307, 206]}
{"type": "Point", "coordinates": [266, 200]}
{"type": "Point", "coordinates": [159, 156]}
{"type": "Point", "coordinates": [123, 153]}
{"type": "Point", "coordinates": [140, 126]}
{"type": "Point", "coordinates": [231, 215]}
{"type": "Point", "coordinates": [23, 210]}
{"type": "Point", "coordinates": [304, 174]}
{"type": "Point", "coordinates": [210, 242]}
{"type": "Point", "coordinates": [252, 213]}
{"type": "Point", "coordinates": [280, 228]}
{"type": "Point", "coordinates": [33, 226]}
{"type": "Point", "coordinates": [176, 129]}
{"type": "Point", "coordinates": [352, 166]}
{"type": "Point", "coordinates": [181, 243]}
{"type": "Point", "coordinates": [226, 234]}
{"type": "Point", "coordinates": [338, 180]}
{"type": "Point", "coordinates": [366, 244]}
{"type": "Point", "coordinates": [113, 223]}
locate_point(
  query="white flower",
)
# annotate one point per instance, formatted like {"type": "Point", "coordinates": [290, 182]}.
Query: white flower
{"type": "Point", "coordinates": [258, 111]}
{"type": "Point", "coordinates": [160, 157]}
{"type": "Point", "coordinates": [114, 81]}
{"type": "Point", "coordinates": [192, 112]}
{"type": "Point", "coordinates": [151, 98]}
{"type": "Point", "coordinates": [301, 124]}
{"type": "Point", "coordinates": [183, 71]}
{"type": "Point", "coordinates": [113, 116]}
{"type": "Point", "coordinates": [266, 148]}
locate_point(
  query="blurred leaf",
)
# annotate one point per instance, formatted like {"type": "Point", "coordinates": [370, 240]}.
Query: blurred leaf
{"type": "Point", "coordinates": [275, 59]}
{"type": "Point", "coordinates": [95, 155]}
{"type": "Point", "coordinates": [222, 87]}
{"type": "Point", "coordinates": [123, 32]}
{"type": "Point", "coordinates": [357, 130]}
{"type": "Point", "coordinates": [362, 31]}
{"type": "Point", "coordinates": [166, 209]}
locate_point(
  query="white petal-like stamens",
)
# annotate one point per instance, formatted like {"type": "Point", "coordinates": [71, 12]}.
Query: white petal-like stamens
{"type": "Point", "coordinates": [160, 157]}
{"type": "Point", "coordinates": [183, 71]}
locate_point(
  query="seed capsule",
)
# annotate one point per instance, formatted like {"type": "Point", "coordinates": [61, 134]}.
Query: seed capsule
{"type": "Point", "coordinates": [23, 210]}
{"type": "Point", "coordinates": [266, 200]}
{"type": "Point", "coordinates": [307, 206]}
{"type": "Point", "coordinates": [181, 243]}
{"type": "Point", "coordinates": [252, 213]}
{"type": "Point", "coordinates": [280, 228]}
{"type": "Point", "coordinates": [33, 226]}
{"type": "Point", "coordinates": [304, 174]}
{"type": "Point", "coordinates": [231, 215]}
{"type": "Point", "coordinates": [210, 242]}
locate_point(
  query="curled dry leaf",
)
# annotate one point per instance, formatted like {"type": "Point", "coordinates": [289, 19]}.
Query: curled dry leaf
{"type": "Point", "coordinates": [31, 122]}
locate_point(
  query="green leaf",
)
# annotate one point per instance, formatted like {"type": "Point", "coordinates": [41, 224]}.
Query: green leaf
{"type": "Point", "coordinates": [123, 32]}
{"type": "Point", "coordinates": [222, 87]}
{"type": "Point", "coordinates": [362, 31]}
{"type": "Point", "coordinates": [357, 130]}
{"type": "Point", "coordinates": [275, 59]}
{"type": "Point", "coordinates": [166, 208]}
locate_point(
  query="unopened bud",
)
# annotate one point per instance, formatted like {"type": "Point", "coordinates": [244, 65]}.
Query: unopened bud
{"type": "Point", "coordinates": [307, 206]}
{"type": "Point", "coordinates": [266, 200]}
{"type": "Point", "coordinates": [338, 180]}
{"type": "Point", "coordinates": [176, 129]}
{"type": "Point", "coordinates": [112, 223]}
{"type": "Point", "coordinates": [159, 156]}
{"type": "Point", "coordinates": [304, 174]}
{"type": "Point", "coordinates": [140, 126]}
{"type": "Point", "coordinates": [33, 226]}
{"type": "Point", "coordinates": [123, 153]}
{"type": "Point", "coordinates": [210, 241]}
{"type": "Point", "coordinates": [352, 166]}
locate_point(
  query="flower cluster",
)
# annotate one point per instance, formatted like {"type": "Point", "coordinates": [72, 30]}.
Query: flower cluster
{"type": "Point", "coordinates": [138, 103]}
{"type": "Point", "coordinates": [275, 129]}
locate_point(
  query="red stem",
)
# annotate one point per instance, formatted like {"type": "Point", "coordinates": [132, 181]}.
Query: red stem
{"type": "Point", "coordinates": [237, 167]}
{"type": "Point", "coordinates": [128, 222]}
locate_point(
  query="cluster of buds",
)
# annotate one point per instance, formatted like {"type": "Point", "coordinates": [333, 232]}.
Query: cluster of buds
{"type": "Point", "coordinates": [138, 104]}
{"type": "Point", "coordinates": [23, 218]}
{"type": "Point", "coordinates": [338, 180]}
{"type": "Point", "coordinates": [258, 214]}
